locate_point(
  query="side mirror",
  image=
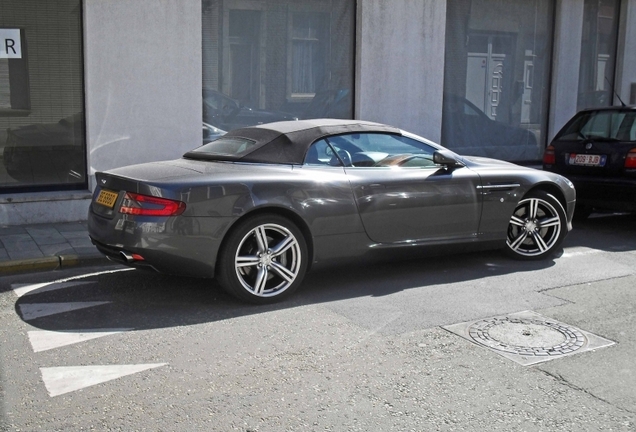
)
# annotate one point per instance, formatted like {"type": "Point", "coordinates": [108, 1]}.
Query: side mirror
{"type": "Point", "coordinates": [444, 157]}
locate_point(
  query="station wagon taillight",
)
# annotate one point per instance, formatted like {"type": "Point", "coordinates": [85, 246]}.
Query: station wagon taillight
{"type": "Point", "coordinates": [630, 160]}
{"type": "Point", "coordinates": [548, 157]}
{"type": "Point", "coordinates": [144, 205]}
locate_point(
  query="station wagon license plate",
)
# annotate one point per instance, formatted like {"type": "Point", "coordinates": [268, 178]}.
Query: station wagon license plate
{"type": "Point", "coordinates": [587, 159]}
{"type": "Point", "coordinates": [106, 198]}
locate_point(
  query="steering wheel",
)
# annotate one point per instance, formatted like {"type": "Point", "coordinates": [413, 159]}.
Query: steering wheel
{"type": "Point", "coordinates": [341, 157]}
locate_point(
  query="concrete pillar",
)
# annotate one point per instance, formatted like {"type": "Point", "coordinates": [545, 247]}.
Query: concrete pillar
{"type": "Point", "coordinates": [143, 80]}
{"type": "Point", "coordinates": [400, 64]}
{"type": "Point", "coordinates": [566, 58]}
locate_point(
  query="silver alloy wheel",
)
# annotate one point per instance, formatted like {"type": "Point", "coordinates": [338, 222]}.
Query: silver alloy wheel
{"type": "Point", "coordinates": [268, 260]}
{"type": "Point", "coordinates": [535, 228]}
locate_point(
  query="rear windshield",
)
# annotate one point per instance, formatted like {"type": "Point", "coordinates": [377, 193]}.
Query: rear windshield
{"type": "Point", "coordinates": [224, 146]}
{"type": "Point", "coordinates": [610, 125]}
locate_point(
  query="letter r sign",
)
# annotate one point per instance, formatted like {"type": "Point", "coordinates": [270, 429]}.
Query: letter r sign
{"type": "Point", "coordinates": [10, 45]}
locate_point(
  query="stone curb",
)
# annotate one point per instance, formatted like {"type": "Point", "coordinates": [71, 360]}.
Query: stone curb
{"type": "Point", "coordinates": [50, 263]}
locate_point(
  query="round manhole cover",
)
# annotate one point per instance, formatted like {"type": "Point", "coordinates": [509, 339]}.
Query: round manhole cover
{"type": "Point", "coordinates": [529, 337]}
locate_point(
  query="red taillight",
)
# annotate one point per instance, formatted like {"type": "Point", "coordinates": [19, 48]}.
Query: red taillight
{"type": "Point", "coordinates": [630, 160]}
{"type": "Point", "coordinates": [144, 205]}
{"type": "Point", "coordinates": [548, 156]}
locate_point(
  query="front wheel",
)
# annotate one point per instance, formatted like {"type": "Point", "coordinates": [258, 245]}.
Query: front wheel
{"type": "Point", "coordinates": [264, 259]}
{"type": "Point", "coordinates": [537, 227]}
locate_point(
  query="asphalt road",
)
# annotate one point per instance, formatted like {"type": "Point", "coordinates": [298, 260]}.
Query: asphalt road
{"type": "Point", "coordinates": [367, 348]}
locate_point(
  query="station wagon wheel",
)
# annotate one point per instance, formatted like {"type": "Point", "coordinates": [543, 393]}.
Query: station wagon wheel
{"type": "Point", "coordinates": [537, 227]}
{"type": "Point", "coordinates": [264, 259]}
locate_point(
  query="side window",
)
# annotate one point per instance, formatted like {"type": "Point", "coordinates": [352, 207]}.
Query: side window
{"type": "Point", "coordinates": [370, 150]}
{"type": "Point", "coordinates": [470, 110]}
{"type": "Point", "coordinates": [380, 149]}
{"type": "Point", "coordinates": [330, 151]}
{"type": "Point", "coordinates": [319, 154]}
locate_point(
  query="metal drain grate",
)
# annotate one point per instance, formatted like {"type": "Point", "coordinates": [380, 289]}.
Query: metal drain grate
{"type": "Point", "coordinates": [527, 337]}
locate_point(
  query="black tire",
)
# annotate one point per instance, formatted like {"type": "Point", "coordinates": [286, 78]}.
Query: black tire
{"type": "Point", "coordinates": [263, 259]}
{"type": "Point", "coordinates": [537, 227]}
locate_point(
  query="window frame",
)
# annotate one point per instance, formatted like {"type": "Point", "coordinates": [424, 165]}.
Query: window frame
{"type": "Point", "coordinates": [319, 7]}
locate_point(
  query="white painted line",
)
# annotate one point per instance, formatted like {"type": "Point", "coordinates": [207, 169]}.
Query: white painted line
{"type": "Point", "coordinates": [42, 340]}
{"type": "Point", "coordinates": [60, 380]}
{"type": "Point", "coordinates": [31, 311]}
{"type": "Point", "coordinates": [581, 253]}
{"type": "Point", "coordinates": [24, 289]}
{"type": "Point", "coordinates": [94, 274]}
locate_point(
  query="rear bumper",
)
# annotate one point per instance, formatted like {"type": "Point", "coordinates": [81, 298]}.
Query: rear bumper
{"type": "Point", "coordinates": [605, 193]}
{"type": "Point", "coordinates": [175, 245]}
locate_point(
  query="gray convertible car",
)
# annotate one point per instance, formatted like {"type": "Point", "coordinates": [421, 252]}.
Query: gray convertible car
{"type": "Point", "coordinates": [257, 207]}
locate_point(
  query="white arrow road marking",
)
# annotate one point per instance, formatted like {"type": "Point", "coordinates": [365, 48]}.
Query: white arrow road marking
{"type": "Point", "coordinates": [36, 310]}
{"type": "Point", "coordinates": [23, 289]}
{"type": "Point", "coordinates": [60, 380]}
{"type": "Point", "coordinates": [42, 340]}
{"type": "Point", "coordinates": [579, 252]}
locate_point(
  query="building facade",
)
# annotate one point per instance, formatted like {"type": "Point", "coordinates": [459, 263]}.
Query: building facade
{"type": "Point", "coordinates": [89, 85]}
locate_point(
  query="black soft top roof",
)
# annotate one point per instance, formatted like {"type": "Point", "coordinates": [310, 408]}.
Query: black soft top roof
{"type": "Point", "coordinates": [288, 141]}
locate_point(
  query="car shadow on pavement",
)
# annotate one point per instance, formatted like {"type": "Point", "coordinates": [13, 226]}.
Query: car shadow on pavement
{"type": "Point", "coordinates": [139, 300]}
{"type": "Point", "coordinates": [610, 232]}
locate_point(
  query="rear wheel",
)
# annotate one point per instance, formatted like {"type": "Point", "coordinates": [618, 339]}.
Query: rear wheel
{"type": "Point", "coordinates": [537, 227]}
{"type": "Point", "coordinates": [264, 259]}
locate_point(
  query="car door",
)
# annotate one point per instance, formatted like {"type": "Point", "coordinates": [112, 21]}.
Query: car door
{"type": "Point", "coordinates": [402, 196]}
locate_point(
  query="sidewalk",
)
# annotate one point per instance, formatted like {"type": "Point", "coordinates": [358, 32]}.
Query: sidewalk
{"type": "Point", "coordinates": [29, 248]}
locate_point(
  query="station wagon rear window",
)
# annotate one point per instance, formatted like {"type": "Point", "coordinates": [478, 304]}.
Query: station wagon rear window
{"type": "Point", "coordinates": [614, 125]}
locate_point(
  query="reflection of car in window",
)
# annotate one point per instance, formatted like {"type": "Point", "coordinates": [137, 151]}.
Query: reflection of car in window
{"type": "Point", "coordinates": [211, 132]}
{"type": "Point", "coordinates": [336, 103]}
{"type": "Point", "coordinates": [467, 129]}
{"type": "Point", "coordinates": [331, 104]}
{"type": "Point", "coordinates": [225, 113]}
{"type": "Point", "coordinates": [47, 153]}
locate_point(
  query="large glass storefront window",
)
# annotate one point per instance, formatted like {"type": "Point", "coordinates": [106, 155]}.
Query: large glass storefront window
{"type": "Point", "coordinates": [496, 77]}
{"type": "Point", "coordinates": [272, 60]}
{"type": "Point", "coordinates": [598, 53]}
{"type": "Point", "coordinates": [42, 139]}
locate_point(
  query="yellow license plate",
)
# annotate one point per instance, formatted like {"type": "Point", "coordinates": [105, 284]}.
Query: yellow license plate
{"type": "Point", "coordinates": [106, 198]}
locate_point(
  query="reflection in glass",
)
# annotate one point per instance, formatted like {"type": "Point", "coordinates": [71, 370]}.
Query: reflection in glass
{"type": "Point", "coordinates": [309, 46]}
{"type": "Point", "coordinates": [42, 137]}
{"type": "Point", "coordinates": [276, 60]}
{"type": "Point", "coordinates": [598, 53]}
{"type": "Point", "coordinates": [496, 71]}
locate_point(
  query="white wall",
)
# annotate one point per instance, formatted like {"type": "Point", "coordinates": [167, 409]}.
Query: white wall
{"type": "Point", "coordinates": [566, 57]}
{"type": "Point", "coordinates": [400, 64]}
{"type": "Point", "coordinates": [143, 80]}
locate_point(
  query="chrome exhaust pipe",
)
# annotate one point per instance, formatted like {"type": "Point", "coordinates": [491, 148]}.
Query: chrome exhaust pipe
{"type": "Point", "coordinates": [127, 257]}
